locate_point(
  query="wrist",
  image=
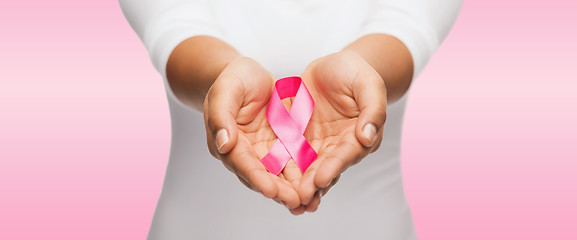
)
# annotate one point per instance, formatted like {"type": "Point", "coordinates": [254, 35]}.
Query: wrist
{"type": "Point", "coordinates": [194, 65]}
{"type": "Point", "coordinates": [389, 57]}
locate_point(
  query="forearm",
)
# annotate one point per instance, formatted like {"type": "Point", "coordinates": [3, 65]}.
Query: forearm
{"type": "Point", "coordinates": [194, 65]}
{"type": "Point", "coordinates": [390, 58]}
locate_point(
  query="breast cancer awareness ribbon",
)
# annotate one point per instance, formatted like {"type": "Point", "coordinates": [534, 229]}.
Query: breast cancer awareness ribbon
{"type": "Point", "coordinates": [289, 127]}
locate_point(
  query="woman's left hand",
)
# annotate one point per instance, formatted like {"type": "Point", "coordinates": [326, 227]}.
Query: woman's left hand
{"type": "Point", "coordinates": [347, 122]}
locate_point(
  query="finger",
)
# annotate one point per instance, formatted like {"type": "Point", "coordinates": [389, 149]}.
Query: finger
{"type": "Point", "coordinates": [307, 186]}
{"type": "Point", "coordinates": [286, 193]}
{"type": "Point", "coordinates": [324, 191]}
{"type": "Point", "coordinates": [377, 145]}
{"type": "Point", "coordinates": [247, 166]}
{"type": "Point", "coordinates": [298, 211]}
{"type": "Point", "coordinates": [337, 161]}
{"type": "Point", "coordinates": [314, 204]}
{"type": "Point", "coordinates": [282, 194]}
{"type": "Point", "coordinates": [222, 107]}
{"type": "Point", "coordinates": [292, 173]}
{"type": "Point", "coordinates": [277, 201]}
{"type": "Point", "coordinates": [370, 93]}
{"type": "Point", "coordinates": [245, 183]}
{"type": "Point", "coordinates": [243, 162]}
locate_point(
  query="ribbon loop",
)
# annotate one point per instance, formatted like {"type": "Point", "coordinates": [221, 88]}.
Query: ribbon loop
{"type": "Point", "coordinates": [289, 127]}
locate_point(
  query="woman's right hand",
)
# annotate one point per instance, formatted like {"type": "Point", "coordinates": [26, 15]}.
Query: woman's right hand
{"type": "Point", "coordinates": [238, 132]}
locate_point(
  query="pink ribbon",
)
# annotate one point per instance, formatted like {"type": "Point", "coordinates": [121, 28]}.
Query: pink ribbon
{"type": "Point", "coordinates": [289, 127]}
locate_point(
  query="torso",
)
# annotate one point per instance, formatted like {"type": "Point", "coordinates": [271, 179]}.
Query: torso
{"type": "Point", "coordinates": [201, 199]}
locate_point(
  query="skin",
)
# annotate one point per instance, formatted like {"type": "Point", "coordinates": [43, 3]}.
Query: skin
{"type": "Point", "coordinates": [351, 89]}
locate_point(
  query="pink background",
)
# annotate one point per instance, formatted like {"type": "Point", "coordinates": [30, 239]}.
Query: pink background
{"type": "Point", "coordinates": [489, 149]}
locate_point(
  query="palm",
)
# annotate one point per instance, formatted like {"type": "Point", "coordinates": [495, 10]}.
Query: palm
{"type": "Point", "coordinates": [335, 114]}
{"type": "Point", "coordinates": [237, 103]}
{"type": "Point", "coordinates": [255, 137]}
{"type": "Point", "coordinates": [338, 85]}
{"type": "Point", "coordinates": [332, 125]}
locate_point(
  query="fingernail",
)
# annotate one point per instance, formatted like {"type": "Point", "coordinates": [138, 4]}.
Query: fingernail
{"type": "Point", "coordinates": [370, 132]}
{"type": "Point", "coordinates": [221, 138]}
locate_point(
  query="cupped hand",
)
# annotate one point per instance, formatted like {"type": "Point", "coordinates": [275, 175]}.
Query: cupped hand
{"type": "Point", "coordinates": [347, 122]}
{"type": "Point", "coordinates": [238, 132]}
{"type": "Point", "coordinates": [346, 125]}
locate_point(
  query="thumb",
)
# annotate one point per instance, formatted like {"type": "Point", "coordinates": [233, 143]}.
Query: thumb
{"type": "Point", "coordinates": [222, 106]}
{"type": "Point", "coordinates": [371, 96]}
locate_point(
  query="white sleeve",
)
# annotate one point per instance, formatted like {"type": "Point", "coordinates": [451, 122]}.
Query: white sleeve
{"type": "Point", "coordinates": [420, 24]}
{"type": "Point", "coordinates": [163, 24]}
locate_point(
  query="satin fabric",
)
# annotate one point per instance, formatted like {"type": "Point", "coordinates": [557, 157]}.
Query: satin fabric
{"type": "Point", "coordinates": [289, 127]}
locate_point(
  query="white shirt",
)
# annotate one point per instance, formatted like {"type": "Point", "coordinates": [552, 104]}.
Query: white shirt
{"type": "Point", "coordinates": [200, 198]}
